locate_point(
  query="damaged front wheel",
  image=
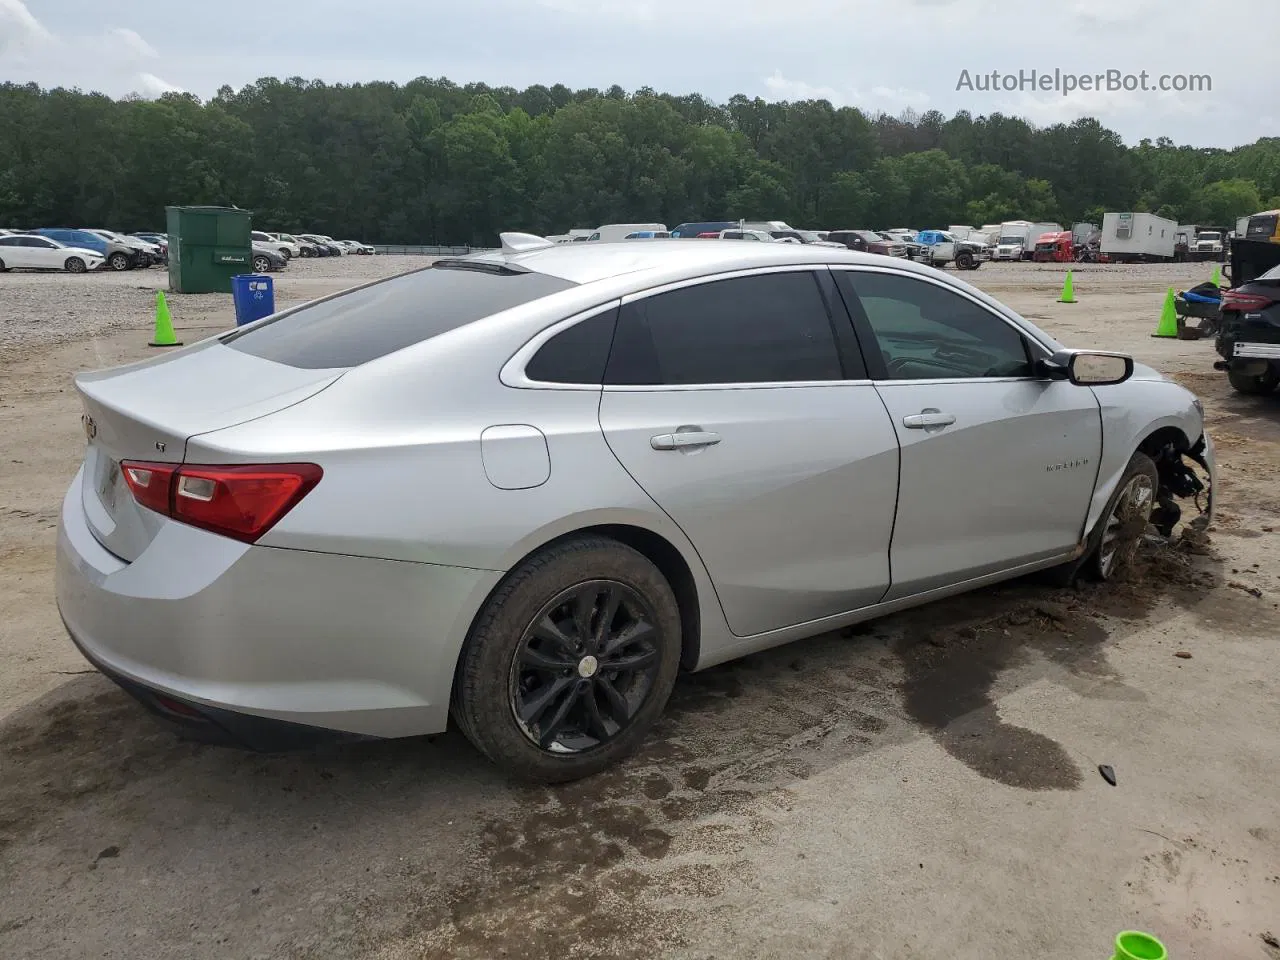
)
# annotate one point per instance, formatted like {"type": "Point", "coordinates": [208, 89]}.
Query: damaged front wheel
{"type": "Point", "coordinates": [1124, 520]}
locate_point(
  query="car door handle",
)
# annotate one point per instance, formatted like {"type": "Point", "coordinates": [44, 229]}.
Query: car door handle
{"type": "Point", "coordinates": [920, 421]}
{"type": "Point", "coordinates": [683, 441]}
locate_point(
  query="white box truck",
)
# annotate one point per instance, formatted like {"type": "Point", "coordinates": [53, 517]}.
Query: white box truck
{"type": "Point", "coordinates": [1018, 238]}
{"type": "Point", "coordinates": [1015, 238]}
{"type": "Point", "coordinates": [1138, 237]}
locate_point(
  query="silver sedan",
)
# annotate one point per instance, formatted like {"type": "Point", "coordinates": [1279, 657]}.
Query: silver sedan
{"type": "Point", "coordinates": [524, 489]}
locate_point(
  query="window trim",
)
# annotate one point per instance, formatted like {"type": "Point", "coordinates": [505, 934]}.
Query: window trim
{"type": "Point", "coordinates": [833, 317]}
{"type": "Point", "coordinates": [512, 373]}
{"type": "Point", "coordinates": [1030, 340]}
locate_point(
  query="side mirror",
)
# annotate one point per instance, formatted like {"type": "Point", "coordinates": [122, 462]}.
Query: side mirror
{"type": "Point", "coordinates": [1092, 368]}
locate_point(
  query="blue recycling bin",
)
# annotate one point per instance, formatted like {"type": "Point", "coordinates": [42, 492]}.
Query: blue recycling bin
{"type": "Point", "coordinates": [254, 295]}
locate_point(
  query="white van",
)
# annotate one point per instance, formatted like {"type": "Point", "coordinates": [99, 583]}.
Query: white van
{"type": "Point", "coordinates": [619, 231]}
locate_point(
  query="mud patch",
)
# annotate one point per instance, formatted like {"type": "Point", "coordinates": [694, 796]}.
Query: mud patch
{"type": "Point", "coordinates": [953, 654]}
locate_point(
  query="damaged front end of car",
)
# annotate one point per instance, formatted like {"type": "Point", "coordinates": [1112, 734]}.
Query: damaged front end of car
{"type": "Point", "coordinates": [1180, 481]}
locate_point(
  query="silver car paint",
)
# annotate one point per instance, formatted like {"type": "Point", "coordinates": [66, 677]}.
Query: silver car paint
{"type": "Point", "coordinates": [982, 494]}
{"type": "Point", "coordinates": [350, 613]}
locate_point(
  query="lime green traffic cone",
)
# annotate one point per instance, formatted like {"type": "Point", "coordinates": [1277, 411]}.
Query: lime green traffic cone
{"type": "Point", "coordinates": [1068, 292]}
{"type": "Point", "coordinates": [1132, 945]}
{"type": "Point", "coordinates": [1216, 279]}
{"type": "Point", "coordinates": [164, 324]}
{"type": "Point", "coordinates": [1168, 326]}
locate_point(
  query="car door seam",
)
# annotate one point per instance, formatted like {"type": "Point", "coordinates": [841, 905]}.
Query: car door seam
{"type": "Point", "coordinates": [897, 494]}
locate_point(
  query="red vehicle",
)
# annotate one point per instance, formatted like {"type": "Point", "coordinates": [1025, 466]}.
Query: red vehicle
{"type": "Point", "coordinates": [708, 236]}
{"type": "Point", "coordinates": [1054, 248]}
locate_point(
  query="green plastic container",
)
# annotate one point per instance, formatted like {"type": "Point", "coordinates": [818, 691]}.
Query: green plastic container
{"type": "Point", "coordinates": [207, 247]}
{"type": "Point", "coordinates": [1134, 945]}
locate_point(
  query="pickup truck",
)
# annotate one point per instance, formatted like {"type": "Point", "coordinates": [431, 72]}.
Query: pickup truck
{"type": "Point", "coordinates": [940, 247]}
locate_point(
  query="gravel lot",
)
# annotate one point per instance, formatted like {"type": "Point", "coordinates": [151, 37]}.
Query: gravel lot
{"type": "Point", "coordinates": [922, 787]}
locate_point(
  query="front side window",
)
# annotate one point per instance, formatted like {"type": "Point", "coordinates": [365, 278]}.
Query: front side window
{"type": "Point", "coordinates": [768, 328]}
{"type": "Point", "coordinates": [926, 332]}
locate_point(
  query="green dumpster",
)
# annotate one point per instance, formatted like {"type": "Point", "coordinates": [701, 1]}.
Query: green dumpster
{"type": "Point", "coordinates": [207, 247]}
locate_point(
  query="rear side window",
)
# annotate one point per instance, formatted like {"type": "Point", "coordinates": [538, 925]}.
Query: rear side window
{"type": "Point", "coordinates": [576, 355]}
{"type": "Point", "coordinates": [371, 322]}
{"type": "Point", "coordinates": [770, 328]}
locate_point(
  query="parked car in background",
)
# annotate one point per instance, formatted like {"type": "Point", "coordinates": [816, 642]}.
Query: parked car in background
{"type": "Point", "coordinates": [119, 256]}
{"type": "Point", "coordinates": [745, 235]}
{"type": "Point", "coordinates": [267, 259]}
{"type": "Point", "coordinates": [29, 251]}
{"type": "Point", "coordinates": [360, 249]}
{"type": "Point", "coordinates": [607, 507]}
{"type": "Point", "coordinates": [148, 253]}
{"type": "Point", "coordinates": [327, 246]}
{"type": "Point", "coordinates": [913, 246]}
{"type": "Point", "coordinates": [698, 228]}
{"type": "Point", "coordinates": [1248, 338]}
{"type": "Point", "coordinates": [282, 247]}
{"type": "Point", "coordinates": [159, 240]}
{"type": "Point", "coordinates": [868, 241]}
{"type": "Point", "coordinates": [803, 236]}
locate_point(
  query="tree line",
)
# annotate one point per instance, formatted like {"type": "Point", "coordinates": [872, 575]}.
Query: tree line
{"type": "Point", "coordinates": [430, 161]}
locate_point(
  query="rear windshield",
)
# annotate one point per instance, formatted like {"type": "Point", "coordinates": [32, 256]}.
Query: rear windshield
{"type": "Point", "coordinates": [371, 322]}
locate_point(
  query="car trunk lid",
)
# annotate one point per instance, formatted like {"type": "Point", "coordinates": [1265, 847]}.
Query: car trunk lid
{"type": "Point", "coordinates": [147, 411]}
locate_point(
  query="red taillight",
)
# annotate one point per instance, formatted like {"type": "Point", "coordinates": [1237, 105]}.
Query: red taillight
{"type": "Point", "coordinates": [150, 483]}
{"type": "Point", "coordinates": [238, 501]}
{"type": "Point", "coordinates": [1232, 300]}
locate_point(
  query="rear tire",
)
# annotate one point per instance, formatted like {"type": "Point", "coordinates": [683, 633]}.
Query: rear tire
{"type": "Point", "coordinates": [3, 268]}
{"type": "Point", "coordinates": [75, 265]}
{"type": "Point", "coordinates": [1254, 386]}
{"type": "Point", "coordinates": [284, 252]}
{"type": "Point", "coordinates": [588, 683]}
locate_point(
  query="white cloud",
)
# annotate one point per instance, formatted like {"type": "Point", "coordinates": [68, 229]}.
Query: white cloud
{"type": "Point", "coordinates": [877, 98]}
{"type": "Point", "coordinates": [152, 86]}
{"type": "Point", "coordinates": [20, 32]}
{"type": "Point", "coordinates": [35, 52]}
{"type": "Point", "coordinates": [1113, 11]}
{"type": "Point", "coordinates": [131, 43]}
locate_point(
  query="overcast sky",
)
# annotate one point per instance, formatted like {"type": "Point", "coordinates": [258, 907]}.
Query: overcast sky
{"type": "Point", "coordinates": [880, 55]}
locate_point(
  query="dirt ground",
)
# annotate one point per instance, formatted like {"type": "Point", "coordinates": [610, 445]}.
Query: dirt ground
{"type": "Point", "coordinates": [925, 786]}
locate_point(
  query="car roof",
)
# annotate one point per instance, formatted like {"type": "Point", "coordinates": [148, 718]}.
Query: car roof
{"type": "Point", "coordinates": [673, 260]}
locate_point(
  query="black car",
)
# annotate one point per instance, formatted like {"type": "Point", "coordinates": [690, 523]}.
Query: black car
{"type": "Point", "coordinates": [326, 248]}
{"type": "Point", "coordinates": [267, 259]}
{"type": "Point", "coordinates": [1249, 334]}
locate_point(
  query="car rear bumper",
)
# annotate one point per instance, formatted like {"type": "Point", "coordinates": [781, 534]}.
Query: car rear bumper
{"type": "Point", "coordinates": [250, 636]}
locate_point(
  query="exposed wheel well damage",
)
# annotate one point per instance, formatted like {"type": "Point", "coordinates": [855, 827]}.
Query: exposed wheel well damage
{"type": "Point", "coordinates": [1168, 446]}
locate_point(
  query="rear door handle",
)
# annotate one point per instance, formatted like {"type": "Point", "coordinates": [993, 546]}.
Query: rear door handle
{"type": "Point", "coordinates": [921, 421]}
{"type": "Point", "coordinates": [684, 441]}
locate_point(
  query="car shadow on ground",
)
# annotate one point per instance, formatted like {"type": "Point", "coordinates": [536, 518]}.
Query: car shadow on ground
{"type": "Point", "coordinates": [90, 783]}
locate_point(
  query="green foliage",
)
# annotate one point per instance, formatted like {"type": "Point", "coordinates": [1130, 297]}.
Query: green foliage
{"type": "Point", "coordinates": [432, 161]}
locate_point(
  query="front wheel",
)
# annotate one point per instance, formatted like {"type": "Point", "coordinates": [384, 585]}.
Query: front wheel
{"type": "Point", "coordinates": [570, 662]}
{"type": "Point", "coordinates": [964, 260]}
{"type": "Point", "coordinates": [119, 261]}
{"type": "Point", "coordinates": [1254, 385]}
{"type": "Point", "coordinates": [284, 252]}
{"type": "Point", "coordinates": [1125, 519]}
{"type": "Point", "coordinates": [261, 264]}
{"type": "Point", "coordinates": [75, 265]}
